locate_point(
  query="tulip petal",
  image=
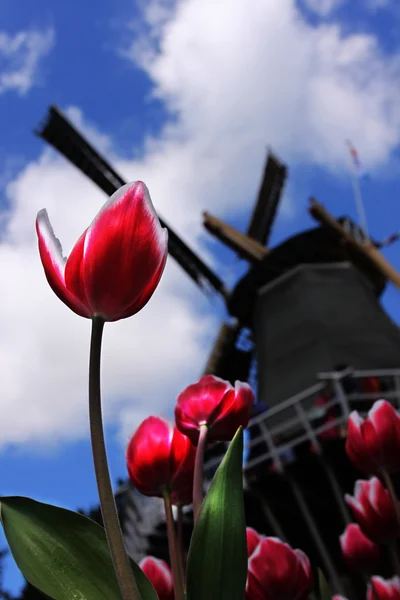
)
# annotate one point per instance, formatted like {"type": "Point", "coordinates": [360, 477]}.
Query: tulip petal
{"type": "Point", "coordinates": [123, 251]}
{"type": "Point", "coordinates": [160, 576]}
{"type": "Point", "coordinates": [355, 444]}
{"type": "Point", "coordinates": [385, 421]}
{"type": "Point", "coordinates": [149, 453]}
{"type": "Point", "coordinates": [253, 539]}
{"type": "Point", "coordinates": [234, 412]}
{"type": "Point", "coordinates": [50, 251]}
{"type": "Point", "coordinates": [73, 270]}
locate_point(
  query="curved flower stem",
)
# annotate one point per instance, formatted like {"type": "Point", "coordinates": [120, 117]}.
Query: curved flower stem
{"type": "Point", "coordinates": [173, 549]}
{"type": "Point", "coordinates": [180, 541]}
{"type": "Point", "coordinates": [122, 567]}
{"type": "Point", "coordinates": [389, 484]}
{"type": "Point", "coordinates": [198, 487]}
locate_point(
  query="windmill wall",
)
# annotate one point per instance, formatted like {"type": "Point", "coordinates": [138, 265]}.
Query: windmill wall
{"type": "Point", "coordinates": [313, 319]}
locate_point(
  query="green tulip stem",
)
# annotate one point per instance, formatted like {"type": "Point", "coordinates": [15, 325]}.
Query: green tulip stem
{"type": "Point", "coordinates": [390, 487]}
{"type": "Point", "coordinates": [173, 548]}
{"type": "Point", "coordinates": [122, 567]}
{"type": "Point", "coordinates": [198, 486]}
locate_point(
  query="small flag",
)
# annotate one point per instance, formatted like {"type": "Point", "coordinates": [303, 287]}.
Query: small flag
{"type": "Point", "coordinates": [362, 174]}
{"type": "Point", "coordinates": [389, 240]}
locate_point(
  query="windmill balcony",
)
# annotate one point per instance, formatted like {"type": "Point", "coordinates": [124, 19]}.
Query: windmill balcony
{"type": "Point", "coordinates": [305, 421]}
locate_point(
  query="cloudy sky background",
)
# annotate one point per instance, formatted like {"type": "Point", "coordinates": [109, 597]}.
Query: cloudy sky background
{"type": "Point", "coordinates": [186, 96]}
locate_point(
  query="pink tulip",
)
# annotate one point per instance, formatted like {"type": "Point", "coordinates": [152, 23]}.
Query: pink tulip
{"type": "Point", "coordinates": [277, 572]}
{"type": "Point", "coordinates": [160, 576]}
{"type": "Point", "coordinates": [216, 404]}
{"type": "Point", "coordinates": [373, 511]}
{"type": "Point", "coordinates": [116, 265]}
{"type": "Point", "coordinates": [359, 552]}
{"type": "Point", "coordinates": [374, 443]}
{"type": "Point", "coordinates": [384, 589]}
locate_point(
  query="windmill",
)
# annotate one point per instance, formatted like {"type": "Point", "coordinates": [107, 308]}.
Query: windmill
{"type": "Point", "coordinates": [335, 252]}
{"type": "Point", "coordinates": [308, 304]}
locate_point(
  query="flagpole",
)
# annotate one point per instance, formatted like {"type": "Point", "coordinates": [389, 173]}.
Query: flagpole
{"type": "Point", "coordinates": [358, 197]}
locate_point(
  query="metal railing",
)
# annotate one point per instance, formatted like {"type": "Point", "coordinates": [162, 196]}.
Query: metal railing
{"type": "Point", "coordinates": [299, 419]}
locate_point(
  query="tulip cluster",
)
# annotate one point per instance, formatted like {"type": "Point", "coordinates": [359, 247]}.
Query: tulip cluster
{"type": "Point", "coordinates": [161, 456]}
{"type": "Point", "coordinates": [166, 460]}
{"type": "Point", "coordinates": [373, 446]}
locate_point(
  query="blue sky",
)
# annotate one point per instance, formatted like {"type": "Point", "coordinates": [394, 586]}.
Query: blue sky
{"type": "Point", "coordinates": [186, 97]}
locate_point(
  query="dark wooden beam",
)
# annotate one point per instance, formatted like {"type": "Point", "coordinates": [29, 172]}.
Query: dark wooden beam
{"type": "Point", "coordinates": [241, 243]}
{"type": "Point", "coordinates": [269, 195]}
{"type": "Point", "coordinates": [364, 252]}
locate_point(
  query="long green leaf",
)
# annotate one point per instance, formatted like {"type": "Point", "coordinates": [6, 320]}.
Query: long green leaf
{"type": "Point", "coordinates": [217, 562]}
{"type": "Point", "coordinates": [62, 553]}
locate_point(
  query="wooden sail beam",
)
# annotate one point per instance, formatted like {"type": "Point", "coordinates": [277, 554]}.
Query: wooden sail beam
{"type": "Point", "coordinates": [365, 249]}
{"type": "Point", "coordinates": [245, 246]}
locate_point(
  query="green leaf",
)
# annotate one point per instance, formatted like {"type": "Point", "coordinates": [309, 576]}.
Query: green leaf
{"type": "Point", "coordinates": [62, 553]}
{"type": "Point", "coordinates": [324, 591]}
{"type": "Point", "coordinates": [217, 561]}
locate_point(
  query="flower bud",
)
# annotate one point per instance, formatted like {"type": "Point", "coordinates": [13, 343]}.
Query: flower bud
{"type": "Point", "coordinates": [116, 264]}
{"type": "Point", "coordinates": [373, 510]}
{"type": "Point", "coordinates": [359, 552]}
{"type": "Point", "coordinates": [216, 404]}
{"type": "Point", "coordinates": [160, 458]}
{"type": "Point", "coordinates": [276, 571]}
{"type": "Point", "coordinates": [373, 444]}
{"type": "Point", "coordinates": [384, 589]}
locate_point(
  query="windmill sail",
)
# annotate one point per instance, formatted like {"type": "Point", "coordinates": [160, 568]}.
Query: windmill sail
{"type": "Point", "coordinates": [57, 131]}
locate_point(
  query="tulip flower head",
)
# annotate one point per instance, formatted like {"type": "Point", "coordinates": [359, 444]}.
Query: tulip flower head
{"type": "Point", "coordinates": [160, 458]}
{"type": "Point", "coordinates": [116, 264]}
{"type": "Point", "coordinates": [373, 444]}
{"type": "Point", "coordinates": [359, 552]}
{"type": "Point", "coordinates": [215, 403]}
{"type": "Point", "coordinates": [275, 570]}
{"type": "Point", "coordinates": [384, 589]}
{"type": "Point", "coordinates": [373, 510]}
{"type": "Point", "coordinates": [159, 574]}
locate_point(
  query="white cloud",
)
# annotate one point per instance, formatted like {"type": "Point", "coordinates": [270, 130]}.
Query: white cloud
{"type": "Point", "coordinates": [324, 8]}
{"type": "Point", "coordinates": [20, 56]}
{"type": "Point", "coordinates": [44, 346]}
{"type": "Point", "coordinates": [235, 77]}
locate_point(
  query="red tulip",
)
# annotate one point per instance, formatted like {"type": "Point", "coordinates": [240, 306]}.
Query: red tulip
{"type": "Point", "coordinates": [373, 511]}
{"type": "Point", "coordinates": [277, 572]}
{"type": "Point", "coordinates": [374, 443]}
{"type": "Point", "coordinates": [216, 404]}
{"type": "Point", "coordinates": [384, 589]}
{"type": "Point", "coordinates": [160, 458]}
{"type": "Point", "coordinates": [159, 574]}
{"type": "Point", "coordinates": [253, 539]}
{"type": "Point", "coordinates": [359, 552]}
{"type": "Point", "coordinates": [116, 264]}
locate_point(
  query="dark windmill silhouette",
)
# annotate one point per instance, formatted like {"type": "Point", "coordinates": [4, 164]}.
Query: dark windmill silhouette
{"type": "Point", "coordinates": [307, 314]}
